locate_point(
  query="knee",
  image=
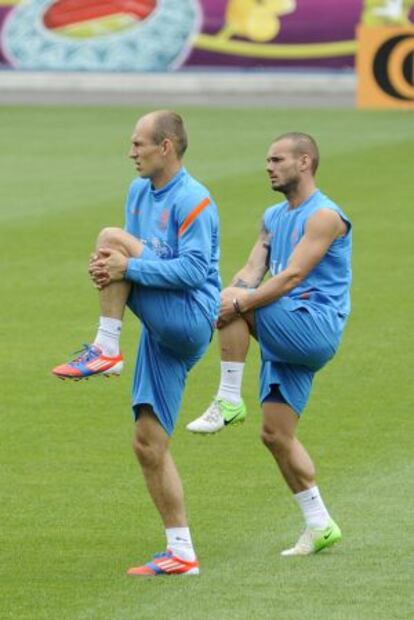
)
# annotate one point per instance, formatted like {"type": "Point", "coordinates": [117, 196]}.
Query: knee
{"type": "Point", "coordinates": [110, 237]}
{"type": "Point", "coordinates": [148, 455]}
{"type": "Point", "coordinates": [275, 440]}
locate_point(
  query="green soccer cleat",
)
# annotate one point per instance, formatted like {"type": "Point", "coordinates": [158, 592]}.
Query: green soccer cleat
{"type": "Point", "coordinates": [221, 413]}
{"type": "Point", "coordinates": [315, 539]}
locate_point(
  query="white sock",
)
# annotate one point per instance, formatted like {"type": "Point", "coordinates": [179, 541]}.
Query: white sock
{"type": "Point", "coordinates": [230, 381]}
{"type": "Point", "coordinates": [179, 543]}
{"type": "Point", "coordinates": [107, 338]}
{"type": "Point", "coordinates": [313, 508]}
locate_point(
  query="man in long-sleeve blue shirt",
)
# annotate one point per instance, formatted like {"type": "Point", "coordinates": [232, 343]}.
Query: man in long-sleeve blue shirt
{"type": "Point", "coordinates": [164, 266]}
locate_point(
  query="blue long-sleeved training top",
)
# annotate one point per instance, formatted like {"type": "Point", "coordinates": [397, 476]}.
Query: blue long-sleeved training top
{"type": "Point", "coordinates": [178, 225]}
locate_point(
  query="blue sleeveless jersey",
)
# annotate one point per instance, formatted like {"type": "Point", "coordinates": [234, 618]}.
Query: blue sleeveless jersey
{"type": "Point", "coordinates": [327, 286]}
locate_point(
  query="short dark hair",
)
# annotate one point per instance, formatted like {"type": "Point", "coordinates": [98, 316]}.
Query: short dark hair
{"type": "Point", "coordinates": [170, 125]}
{"type": "Point", "coordinates": [303, 143]}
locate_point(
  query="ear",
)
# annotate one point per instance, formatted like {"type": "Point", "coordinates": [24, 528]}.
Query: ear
{"type": "Point", "coordinates": [305, 162]}
{"type": "Point", "coordinates": [166, 146]}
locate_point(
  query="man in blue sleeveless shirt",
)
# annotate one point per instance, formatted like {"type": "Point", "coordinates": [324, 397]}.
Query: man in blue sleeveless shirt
{"type": "Point", "coordinates": [297, 315]}
{"type": "Point", "coordinates": [164, 266]}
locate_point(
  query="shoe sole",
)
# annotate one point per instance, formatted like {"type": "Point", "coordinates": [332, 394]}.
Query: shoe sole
{"type": "Point", "coordinates": [289, 553]}
{"type": "Point", "coordinates": [190, 573]}
{"type": "Point", "coordinates": [115, 371]}
{"type": "Point", "coordinates": [235, 423]}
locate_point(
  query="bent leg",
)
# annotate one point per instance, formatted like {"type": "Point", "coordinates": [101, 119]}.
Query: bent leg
{"type": "Point", "coordinates": [227, 406]}
{"type": "Point", "coordinates": [113, 298]}
{"type": "Point", "coordinates": [234, 341]}
{"type": "Point", "coordinates": [103, 357]}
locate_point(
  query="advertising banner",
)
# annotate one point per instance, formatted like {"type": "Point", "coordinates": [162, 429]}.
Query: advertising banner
{"type": "Point", "coordinates": [166, 35]}
{"type": "Point", "coordinates": [385, 67]}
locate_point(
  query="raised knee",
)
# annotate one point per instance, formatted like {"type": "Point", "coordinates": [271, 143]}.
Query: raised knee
{"type": "Point", "coordinates": [110, 236]}
{"type": "Point", "coordinates": [145, 452]}
{"type": "Point", "coordinates": [275, 440]}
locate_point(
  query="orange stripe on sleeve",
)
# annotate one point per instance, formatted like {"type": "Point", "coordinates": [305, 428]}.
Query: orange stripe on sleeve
{"type": "Point", "coordinates": [192, 216]}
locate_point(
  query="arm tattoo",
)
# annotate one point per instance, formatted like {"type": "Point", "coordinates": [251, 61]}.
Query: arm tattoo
{"type": "Point", "coordinates": [265, 237]}
{"type": "Point", "coordinates": [266, 247]}
{"type": "Point", "coordinates": [255, 280]}
{"type": "Point", "coordinates": [240, 283]}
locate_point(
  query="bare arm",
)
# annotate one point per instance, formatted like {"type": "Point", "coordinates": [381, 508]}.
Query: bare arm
{"type": "Point", "coordinates": [257, 264]}
{"type": "Point", "coordinates": [321, 230]}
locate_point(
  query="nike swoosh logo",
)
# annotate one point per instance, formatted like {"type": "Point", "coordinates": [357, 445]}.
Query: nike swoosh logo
{"type": "Point", "coordinates": [231, 420]}
{"type": "Point", "coordinates": [326, 536]}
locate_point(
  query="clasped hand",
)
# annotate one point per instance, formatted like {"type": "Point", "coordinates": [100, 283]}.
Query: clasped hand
{"type": "Point", "coordinates": [227, 310]}
{"type": "Point", "coordinates": [106, 266]}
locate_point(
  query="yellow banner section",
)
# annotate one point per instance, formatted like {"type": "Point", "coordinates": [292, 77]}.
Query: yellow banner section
{"type": "Point", "coordinates": [219, 43]}
{"type": "Point", "coordinates": [385, 67]}
{"type": "Point", "coordinates": [9, 2]}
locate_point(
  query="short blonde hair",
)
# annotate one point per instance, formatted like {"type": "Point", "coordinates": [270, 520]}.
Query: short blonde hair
{"type": "Point", "coordinates": [170, 125]}
{"type": "Point", "coordinates": [303, 144]}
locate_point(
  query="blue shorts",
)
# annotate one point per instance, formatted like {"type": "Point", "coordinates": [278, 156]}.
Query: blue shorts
{"type": "Point", "coordinates": [175, 335]}
{"type": "Point", "coordinates": [294, 343]}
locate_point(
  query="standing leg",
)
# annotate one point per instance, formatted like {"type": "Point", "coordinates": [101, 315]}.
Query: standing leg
{"type": "Point", "coordinates": [296, 466]}
{"type": "Point", "coordinates": [278, 435]}
{"type": "Point", "coordinates": [151, 446]}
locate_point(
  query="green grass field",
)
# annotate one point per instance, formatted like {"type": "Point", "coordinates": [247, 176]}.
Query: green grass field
{"type": "Point", "coordinates": [74, 513]}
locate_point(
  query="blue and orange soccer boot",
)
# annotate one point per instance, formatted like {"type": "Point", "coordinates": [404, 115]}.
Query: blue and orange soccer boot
{"type": "Point", "coordinates": [90, 362]}
{"type": "Point", "coordinates": [166, 564]}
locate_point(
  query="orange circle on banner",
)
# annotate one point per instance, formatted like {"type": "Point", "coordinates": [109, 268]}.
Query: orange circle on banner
{"type": "Point", "coordinates": [395, 67]}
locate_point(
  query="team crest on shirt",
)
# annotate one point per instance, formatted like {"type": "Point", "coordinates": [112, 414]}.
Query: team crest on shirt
{"type": "Point", "coordinates": [164, 217]}
{"type": "Point", "coordinates": [159, 247]}
{"type": "Point", "coordinates": [294, 237]}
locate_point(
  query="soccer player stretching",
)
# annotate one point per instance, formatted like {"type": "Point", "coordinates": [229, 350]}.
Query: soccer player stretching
{"type": "Point", "coordinates": [164, 266]}
{"type": "Point", "coordinates": [297, 315]}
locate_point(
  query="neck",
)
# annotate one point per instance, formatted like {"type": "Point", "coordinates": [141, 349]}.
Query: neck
{"type": "Point", "coordinates": [299, 194]}
{"type": "Point", "coordinates": [162, 178]}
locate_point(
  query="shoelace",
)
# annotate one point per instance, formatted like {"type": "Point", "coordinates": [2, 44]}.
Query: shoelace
{"type": "Point", "coordinates": [163, 554]}
{"type": "Point", "coordinates": [305, 540]}
{"type": "Point", "coordinates": [87, 353]}
{"type": "Point", "coordinates": [213, 414]}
